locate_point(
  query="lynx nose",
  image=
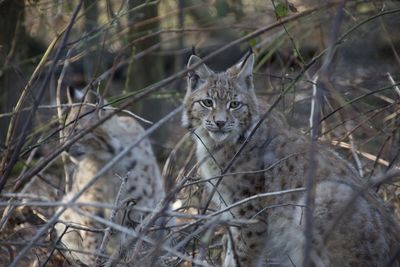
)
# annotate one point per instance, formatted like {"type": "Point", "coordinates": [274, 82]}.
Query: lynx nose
{"type": "Point", "coordinates": [220, 124]}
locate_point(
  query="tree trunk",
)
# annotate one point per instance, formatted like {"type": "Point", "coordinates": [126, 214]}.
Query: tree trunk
{"type": "Point", "coordinates": [148, 69]}
{"type": "Point", "coordinates": [12, 51]}
{"type": "Point", "coordinates": [91, 61]}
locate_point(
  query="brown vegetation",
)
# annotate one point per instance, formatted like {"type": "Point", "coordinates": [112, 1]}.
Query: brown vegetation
{"type": "Point", "coordinates": [134, 54]}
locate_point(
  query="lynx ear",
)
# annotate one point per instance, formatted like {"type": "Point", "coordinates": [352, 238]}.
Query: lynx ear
{"type": "Point", "coordinates": [87, 97]}
{"type": "Point", "coordinates": [74, 95]}
{"type": "Point", "coordinates": [96, 98]}
{"type": "Point", "coordinates": [245, 75]}
{"type": "Point", "coordinates": [199, 75]}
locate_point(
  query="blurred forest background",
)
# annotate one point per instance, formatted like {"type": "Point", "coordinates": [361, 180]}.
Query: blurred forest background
{"type": "Point", "coordinates": [134, 54]}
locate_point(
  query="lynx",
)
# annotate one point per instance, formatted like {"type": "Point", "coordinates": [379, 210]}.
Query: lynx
{"type": "Point", "coordinates": [143, 187]}
{"type": "Point", "coordinates": [221, 109]}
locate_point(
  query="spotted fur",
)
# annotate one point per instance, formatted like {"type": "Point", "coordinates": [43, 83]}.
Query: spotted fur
{"type": "Point", "coordinates": [143, 188]}
{"type": "Point", "coordinates": [221, 109]}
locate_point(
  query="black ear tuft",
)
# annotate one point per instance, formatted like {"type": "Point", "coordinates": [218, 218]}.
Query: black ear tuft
{"type": "Point", "coordinates": [245, 75]}
{"type": "Point", "coordinates": [246, 57]}
{"type": "Point", "coordinates": [75, 95]}
{"type": "Point", "coordinates": [198, 72]}
{"type": "Point", "coordinates": [194, 50]}
{"type": "Point", "coordinates": [250, 51]}
{"type": "Point", "coordinates": [193, 80]}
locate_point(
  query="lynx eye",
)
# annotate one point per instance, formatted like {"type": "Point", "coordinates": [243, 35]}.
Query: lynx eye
{"type": "Point", "coordinates": [208, 103]}
{"type": "Point", "coordinates": [235, 105]}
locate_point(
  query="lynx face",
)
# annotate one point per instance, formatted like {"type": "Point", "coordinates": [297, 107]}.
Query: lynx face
{"type": "Point", "coordinates": [220, 106]}
{"type": "Point", "coordinates": [99, 142]}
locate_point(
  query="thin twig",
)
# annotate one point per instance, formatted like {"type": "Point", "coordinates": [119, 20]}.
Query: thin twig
{"type": "Point", "coordinates": [362, 153]}
{"type": "Point", "coordinates": [257, 196]}
{"type": "Point", "coordinates": [353, 149]}
{"type": "Point", "coordinates": [107, 232]}
{"type": "Point", "coordinates": [202, 180]}
{"type": "Point", "coordinates": [321, 87]}
{"type": "Point", "coordinates": [395, 86]}
{"type": "Point", "coordinates": [61, 134]}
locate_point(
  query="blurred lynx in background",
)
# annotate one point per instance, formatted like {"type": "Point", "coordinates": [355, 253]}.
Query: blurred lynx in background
{"type": "Point", "coordinates": [143, 187]}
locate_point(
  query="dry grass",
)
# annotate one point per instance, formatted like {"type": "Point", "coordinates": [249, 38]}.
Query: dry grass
{"type": "Point", "coordinates": [359, 109]}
